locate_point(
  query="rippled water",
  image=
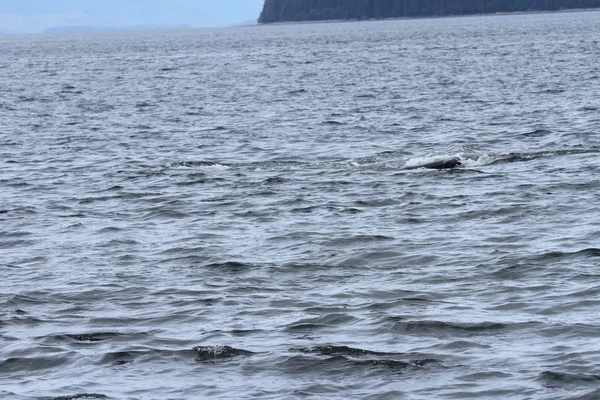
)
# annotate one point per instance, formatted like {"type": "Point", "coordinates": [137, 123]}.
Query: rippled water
{"type": "Point", "coordinates": [229, 213]}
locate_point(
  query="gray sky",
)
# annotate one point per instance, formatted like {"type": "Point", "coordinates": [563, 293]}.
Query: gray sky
{"type": "Point", "coordinates": [33, 16]}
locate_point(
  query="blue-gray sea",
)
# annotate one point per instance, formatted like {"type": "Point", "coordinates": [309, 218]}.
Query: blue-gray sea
{"type": "Point", "coordinates": [231, 213]}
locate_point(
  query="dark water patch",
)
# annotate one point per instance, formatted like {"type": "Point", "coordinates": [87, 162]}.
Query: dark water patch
{"type": "Point", "coordinates": [362, 239]}
{"type": "Point", "coordinates": [231, 267]}
{"type": "Point", "coordinates": [553, 91]}
{"type": "Point", "coordinates": [164, 214]}
{"type": "Point", "coordinates": [194, 164]}
{"type": "Point", "coordinates": [376, 304]}
{"type": "Point", "coordinates": [369, 357]}
{"type": "Point", "coordinates": [27, 365]}
{"type": "Point", "coordinates": [517, 272]}
{"type": "Point", "coordinates": [144, 105]}
{"type": "Point", "coordinates": [537, 133]}
{"type": "Point", "coordinates": [96, 108]}
{"type": "Point", "coordinates": [22, 300]}
{"type": "Point", "coordinates": [561, 379]}
{"type": "Point", "coordinates": [304, 210]}
{"type": "Point", "coordinates": [329, 320]}
{"type": "Point", "coordinates": [274, 180]}
{"type": "Point", "coordinates": [118, 358]}
{"type": "Point", "coordinates": [350, 365]}
{"type": "Point", "coordinates": [90, 200]}
{"type": "Point", "coordinates": [559, 256]}
{"type": "Point", "coordinates": [89, 337]}
{"type": "Point", "coordinates": [340, 350]}
{"type": "Point", "coordinates": [245, 332]}
{"type": "Point", "coordinates": [388, 364]}
{"type": "Point", "coordinates": [146, 356]}
{"type": "Point", "coordinates": [544, 264]}
{"type": "Point", "coordinates": [28, 321]}
{"type": "Point", "coordinates": [81, 396]}
{"type": "Point", "coordinates": [119, 242]}
{"type": "Point", "coordinates": [521, 157]}
{"type": "Point", "coordinates": [592, 395]}
{"type": "Point", "coordinates": [482, 376]}
{"type": "Point", "coordinates": [27, 99]}
{"type": "Point", "coordinates": [337, 365]}
{"type": "Point", "coordinates": [109, 229]}
{"type": "Point", "coordinates": [466, 329]}
{"type": "Point", "coordinates": [376, 202]}
{"type": "Point", "coordinates": [114, 188]}
{"type": "Point", "coordinates": [207, 353]}
{"type": "Point", "coordinates": [193, 182]}
{"type": "Point", "coordinates": [569, 331]}
{"type": "Point", "coordinates": [9, 244]}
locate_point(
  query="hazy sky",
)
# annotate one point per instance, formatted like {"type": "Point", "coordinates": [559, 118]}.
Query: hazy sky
{"type": "Point", "coordinates": [32, 16]}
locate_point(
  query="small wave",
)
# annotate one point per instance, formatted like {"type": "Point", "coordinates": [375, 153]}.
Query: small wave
{"type": "Point", "coordinates": [27, 365]}
{"type": "Point", "coordinates": [361, 240]}
{"type": "Point", "coordinates": [518, 268]}
{"type": "Point", "coordinates": [361, 353]}
{"type": "Point", "coordinates": [274, 180]}
{"type": "Point", "coordinates": [468, 329]}
{"type": "Point", "coordinates": [537, 133]}
{"type": "Point", "coordinates": [230, 266]}
{"type": "Point", "coordinates": [339, 350]}
{"type": "Point", "coordinates": [553, 379]}
{"type": "Point", "coordinates": [81, 396]}
{"type": "Point", "coordinates": [219, 352]}
{"type": "Point", "coordinates": [342, 362]}
{"type": "Point", "coordinates": [199, 164]}
{"type": "Point", "coordinates": [85, 337]}
{"type": "Point", "coordinates": [593, 395]}
{"type": "Point", "coordinates": [587, 253]}
{"type": "Point", "coordinates": [337, 363]}
{"type": "Point", "coordinates": [528, 156]}
{"type": "Point", "coordinates": [118, 358]}
{"type": "Point", "coordinates": [144, 105]}
{"type": "Point", "coordinates": [321, 322]}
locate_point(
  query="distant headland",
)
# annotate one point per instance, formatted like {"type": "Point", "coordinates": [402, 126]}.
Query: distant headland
{"type": "Point", "coordinates": [321, 10]}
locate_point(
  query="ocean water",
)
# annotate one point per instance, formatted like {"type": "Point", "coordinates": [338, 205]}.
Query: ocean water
{"type": "Point", "coordinates": [230, 213]}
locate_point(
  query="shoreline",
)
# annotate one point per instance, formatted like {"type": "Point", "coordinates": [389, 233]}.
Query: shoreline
{"type": "Point", "coordinates": [329, 21]}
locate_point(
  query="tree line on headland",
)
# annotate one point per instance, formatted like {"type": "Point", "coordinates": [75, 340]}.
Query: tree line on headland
{"type": "Point", "coordinates": [319, 10]}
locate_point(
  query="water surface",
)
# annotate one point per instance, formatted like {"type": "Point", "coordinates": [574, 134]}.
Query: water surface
{"type": "Point", "coordinates": [229, 214]}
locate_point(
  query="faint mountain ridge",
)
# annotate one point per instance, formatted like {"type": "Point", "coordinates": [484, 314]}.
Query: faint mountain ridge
{"type": "Point", "coordinates": [98, 29]}
{"type": "Point", "coordinates": [247, 23]}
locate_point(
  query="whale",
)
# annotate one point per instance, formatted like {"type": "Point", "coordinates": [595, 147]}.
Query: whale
{"type": "Point", "coordinates": [446, 163]}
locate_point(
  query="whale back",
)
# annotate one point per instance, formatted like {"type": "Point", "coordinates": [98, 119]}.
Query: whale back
{"type": "Point", "coordinates": [440, 164]}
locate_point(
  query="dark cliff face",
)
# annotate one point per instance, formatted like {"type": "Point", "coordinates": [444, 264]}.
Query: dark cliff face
{"type": "Point", "coordinates": [318, 10]}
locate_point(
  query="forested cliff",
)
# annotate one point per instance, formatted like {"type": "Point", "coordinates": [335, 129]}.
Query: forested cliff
{"type": "Point", "coordinates": [317, 10]}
